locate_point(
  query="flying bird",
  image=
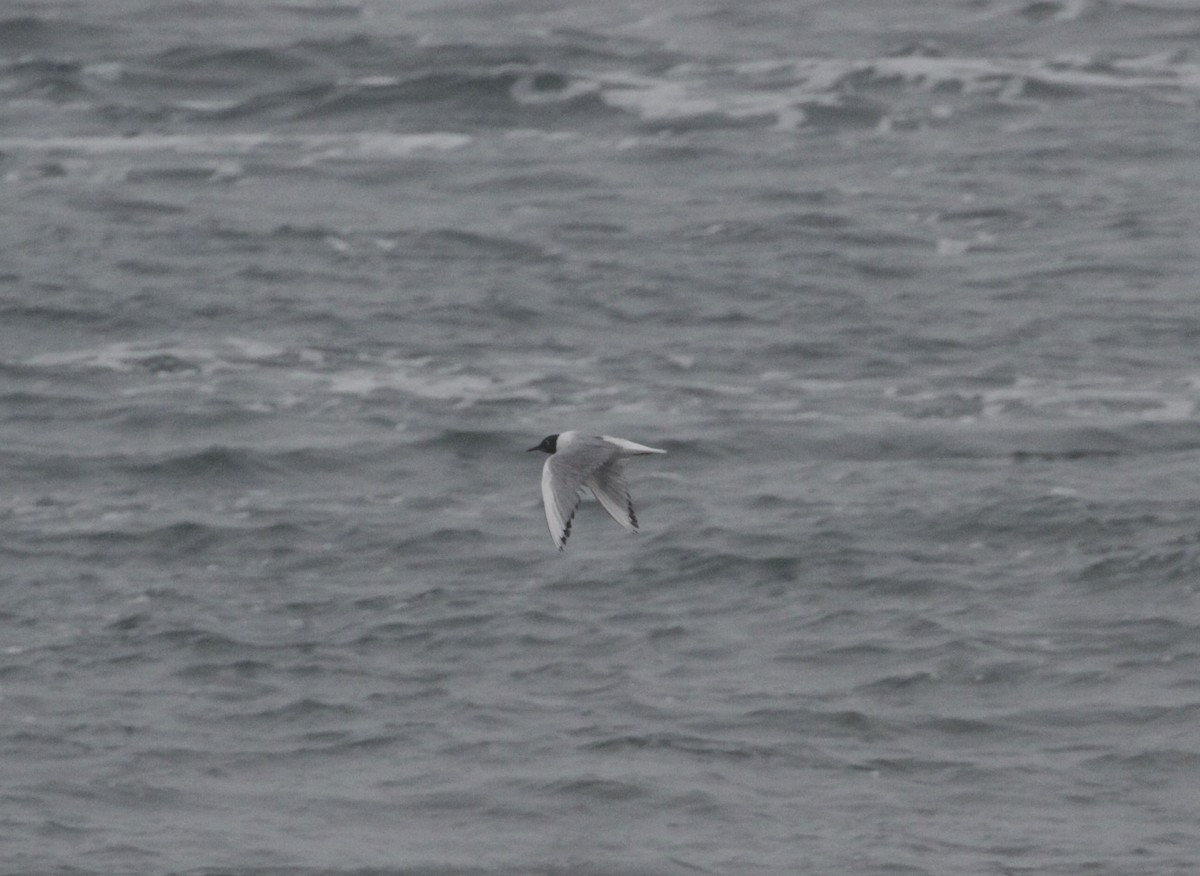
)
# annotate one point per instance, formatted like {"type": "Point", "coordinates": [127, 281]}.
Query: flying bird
{"type": "Point", "coordinates": [593, 461]}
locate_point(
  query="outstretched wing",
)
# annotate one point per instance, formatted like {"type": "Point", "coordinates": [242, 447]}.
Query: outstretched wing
{"type": "Point", "coordinates": [608, 484]}
{"type": "Point", "coordinates": [561, 483]}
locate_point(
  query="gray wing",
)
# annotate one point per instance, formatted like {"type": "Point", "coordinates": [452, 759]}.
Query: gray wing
{"type": "Point", "coordinates": [564, 475]}
{"type": "Point", "coordinates": [608, 484]}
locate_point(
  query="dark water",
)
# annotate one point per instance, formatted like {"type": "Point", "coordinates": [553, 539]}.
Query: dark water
{"type": "Point", "coordinates": [907, 290]}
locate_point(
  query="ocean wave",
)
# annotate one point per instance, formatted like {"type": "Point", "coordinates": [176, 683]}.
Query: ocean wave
{"type": "Point", "coordinates": [701, 747]}
{"type": "Point", "coordinates": [568, 80]}
{"type": "Point", "coordinates": [213, 464]}
{"type": "Point", "coordinates": [1175, 561]}
{"type": "Point", "coordinates": [1026, 418]}
{"type": "Point", "coordinates": [290, 148]}
{"type": "Point", "coordinates": [301, 713]}
{"type": "Point", "coordinates": [230, 381]}
{"type": "Point", "coordinates": [160, 357]}
{"type": "Point", "coordinates": [1114, 400]}
{"type": "Point", "coordinates": [22, 34]}
{"type": "Point", "coordinates": [224, 66]}
{"type": "Point", "coordinates": [288, 377]}
{"type": "Point", "coordinates": [834, 92]}
{"type": "Point", "coordinates": [44, 79]}
{"type": "Point", "coordinates": [109, 540]}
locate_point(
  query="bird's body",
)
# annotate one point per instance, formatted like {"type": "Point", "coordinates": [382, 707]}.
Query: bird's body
{"type": "Point", "coordinates": [593, 461]}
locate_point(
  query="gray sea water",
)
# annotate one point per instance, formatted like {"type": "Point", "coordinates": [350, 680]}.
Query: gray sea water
{"type": "Point", "coordinates": [908, 291]}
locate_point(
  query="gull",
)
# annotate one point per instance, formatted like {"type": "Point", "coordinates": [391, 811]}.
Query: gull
{"type": "Point", "coordinates": [593, 461]}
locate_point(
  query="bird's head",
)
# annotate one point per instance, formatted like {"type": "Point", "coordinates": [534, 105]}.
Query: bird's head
{"type": "Point", "coordinates": [549, 445]}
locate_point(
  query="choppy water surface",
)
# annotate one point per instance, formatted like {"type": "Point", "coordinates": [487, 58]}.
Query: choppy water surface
{"type": "Point", "coordinates": [908, 293]}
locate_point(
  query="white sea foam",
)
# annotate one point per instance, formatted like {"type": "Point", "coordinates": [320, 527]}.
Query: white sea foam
{"type": "Point", "coordinates": [162, 357]}
{"type": "Point", "coordinates": [293, 376]}
{"type": "Point", "coordinates": [1100, 400]}
{"type": "Point", "coordinates": [780, 88]}
{"type": "Point", "coordinates": [367, 144]}
{"type": "Point", "coordinates": [410, 381]}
